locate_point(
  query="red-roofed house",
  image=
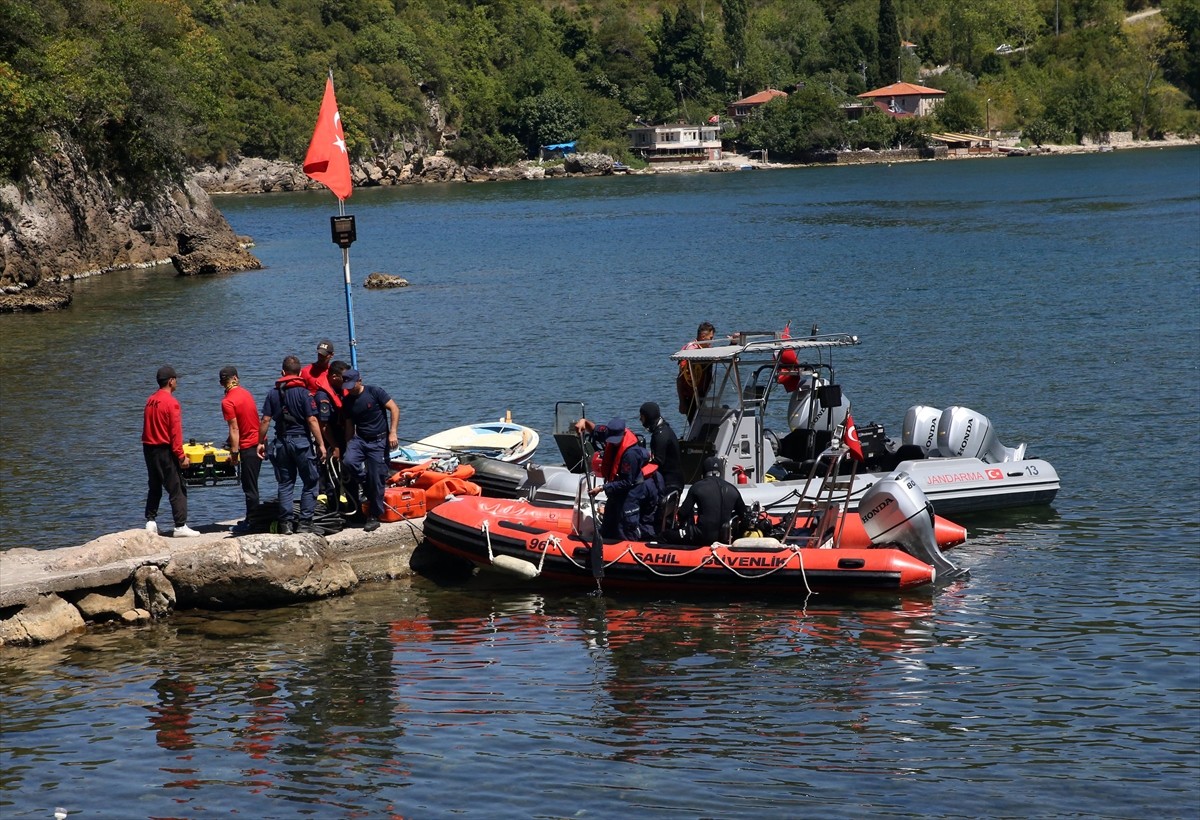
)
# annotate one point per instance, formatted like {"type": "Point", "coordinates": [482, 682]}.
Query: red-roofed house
{"type": "Point", "coordinates": [742, 108]}
{"type": "Point", "coordinates": [905, 99]}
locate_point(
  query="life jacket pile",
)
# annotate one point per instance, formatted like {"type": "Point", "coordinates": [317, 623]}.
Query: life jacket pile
{"type": "Point", "coordinates": [438, 485]}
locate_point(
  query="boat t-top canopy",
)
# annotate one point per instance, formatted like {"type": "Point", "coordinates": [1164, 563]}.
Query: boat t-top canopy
{"type": "Point", "coordinates": [750, 343]}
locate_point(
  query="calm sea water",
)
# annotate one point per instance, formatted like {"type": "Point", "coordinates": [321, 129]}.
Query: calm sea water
{"type": "Point", "coordinates": [1060, 296]}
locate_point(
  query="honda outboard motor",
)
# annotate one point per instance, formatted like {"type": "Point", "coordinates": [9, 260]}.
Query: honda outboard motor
{"type": "Point", "coordinates": [895, 511]}
{"type": "Point", "coordinates": [920, 428]}
{"type": "Point", "coordinates": [963, 432]}
{"type": "Point", "coordinates": [807, 411]}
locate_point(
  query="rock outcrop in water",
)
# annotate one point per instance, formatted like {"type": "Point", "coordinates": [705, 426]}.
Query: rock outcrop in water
{"type": "Point", "coordinates": [134, 576]}
{"type": "Point", "coordinates": [63, 222]}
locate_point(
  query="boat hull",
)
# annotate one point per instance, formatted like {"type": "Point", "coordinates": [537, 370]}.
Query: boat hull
{"type": "Point", "coordinates": [496, 533]}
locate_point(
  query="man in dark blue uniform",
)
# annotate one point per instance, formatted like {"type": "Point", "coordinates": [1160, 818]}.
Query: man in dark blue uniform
{"type": "Point", "coordinates": [632, 485]}
{"type": "Point", "coordinates": [371, 419]}
{"type": "Point", "coordinates": [297, 432]}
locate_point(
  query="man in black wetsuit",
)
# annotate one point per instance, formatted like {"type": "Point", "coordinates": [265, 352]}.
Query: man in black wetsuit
{"type": "Point", "coordinates": [664, 447]}
{"type": "Point", "coordinates": [710, 505]}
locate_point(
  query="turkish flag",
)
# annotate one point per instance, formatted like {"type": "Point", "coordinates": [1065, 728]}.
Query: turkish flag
{"type": "Point", "coordinates": [327, 161]}
{"type": "Point", "coordinates": [850, 439]}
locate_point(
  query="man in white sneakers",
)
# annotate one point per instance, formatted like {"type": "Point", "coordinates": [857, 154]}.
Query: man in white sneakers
{"type": "Point", "coordinates": [162, 447]}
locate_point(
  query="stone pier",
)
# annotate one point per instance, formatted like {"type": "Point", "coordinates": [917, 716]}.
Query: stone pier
{"type": "Point", "coordinates": [135, 576]}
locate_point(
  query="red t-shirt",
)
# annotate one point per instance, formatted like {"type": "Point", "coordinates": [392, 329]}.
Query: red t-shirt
{"type": "Point", "coordinates": [239, 404]}
{"type": "Point", "coordinates": [320, 382]}
{"type": "Point", "coordinates": [162, 421]}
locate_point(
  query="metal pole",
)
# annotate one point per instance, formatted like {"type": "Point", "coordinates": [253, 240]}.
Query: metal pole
{"type": "Point", "coordinates": [349, 300]}
{"type": "Point", "coordinates": [349, 309]}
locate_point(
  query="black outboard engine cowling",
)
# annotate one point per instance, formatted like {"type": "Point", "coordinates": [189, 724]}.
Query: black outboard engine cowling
{"type": "Point", "coordinates": [895, 511]}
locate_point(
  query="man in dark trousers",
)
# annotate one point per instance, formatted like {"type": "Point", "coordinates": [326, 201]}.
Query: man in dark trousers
{"type": "Point", "coordinates": [664, 447]}
{"type": "Point", "coordinates": [371, 419]}
{"type": "Point", "coordinates": [294, 411]}
{"type": "Point", "coordinates": [711, 503]}
{"type": "Point", "coordinates": [631, 485]}
{"type": "Point", "coordinates": [162, 447]}
{"type": "Point", "coordinates": [241, 413]}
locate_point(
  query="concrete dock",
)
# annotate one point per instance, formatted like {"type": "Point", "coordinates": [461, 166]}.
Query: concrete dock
{"type": "Point", "coordinates": [134, 576]}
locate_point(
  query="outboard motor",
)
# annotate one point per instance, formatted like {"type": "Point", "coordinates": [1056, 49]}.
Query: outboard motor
{"type": "Point", "coordinates": [920, 428]}
{"type": "Point", "coordinates": [963, 432]}
{"type": "Point", "coordinates": [807, 410]}
{"type": "Point", "coordinates": [895, 511]}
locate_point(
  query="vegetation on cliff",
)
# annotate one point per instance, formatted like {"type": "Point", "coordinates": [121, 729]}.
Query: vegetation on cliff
{"type": "Point", "coordinates": [146, 86]}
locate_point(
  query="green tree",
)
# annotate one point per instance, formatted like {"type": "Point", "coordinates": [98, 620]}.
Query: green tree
{"type": "Point", "coordinates": [734, 14]}
{"type": "Point", "coordinates": [889, 44]}
{"type": "Point", "coordinates": [1182, 64]}
{"type": "Point", "coordinates": [547, 119]}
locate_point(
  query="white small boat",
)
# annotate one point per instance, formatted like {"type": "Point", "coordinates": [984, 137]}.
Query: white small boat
{"type": "Point", "coordinates": [502, 440]}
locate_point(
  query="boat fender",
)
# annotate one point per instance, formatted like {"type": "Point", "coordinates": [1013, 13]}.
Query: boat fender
{"type": "Point", "coordinates": [759, 543]}
{"type": "Point", "coordinates": [515, 566]}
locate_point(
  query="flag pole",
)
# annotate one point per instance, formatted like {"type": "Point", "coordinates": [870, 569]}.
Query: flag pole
{"type": "Point", "coordinates": [327, 161]}
{"type": "Point", "coordinates": [349, 300]}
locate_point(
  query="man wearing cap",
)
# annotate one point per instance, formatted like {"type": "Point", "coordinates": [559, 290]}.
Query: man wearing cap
{"type": "Point", "coordinates": [316, 375]}
{"type": "Point", "coordinates": [371, 419]}
{"type": "Point", "coordinates": [713, 510]}
{"type": "Point", "coordinates": [162, 447]}
{"type": "Point", "coordinates": [664, 447]}
{"type": "Point", "coordinates": [241, 414]}
{"type": "Point", "coordinates": [294, 411]}
{"type": "Point", "coordinates": [631, 485]}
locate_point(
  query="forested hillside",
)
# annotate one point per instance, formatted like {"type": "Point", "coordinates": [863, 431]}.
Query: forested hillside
{"type": "Point", "coordinates": [146, 86]}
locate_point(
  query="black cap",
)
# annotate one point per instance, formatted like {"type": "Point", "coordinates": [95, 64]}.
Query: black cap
{"type": "Point", "coordinates": [325, 346]}
{"type": "Point", "coordinates": [227, 373]}
{"type": "Point", "coordinates": [165, 374]}
{"type": "Point", "coordinates": [712, 464]}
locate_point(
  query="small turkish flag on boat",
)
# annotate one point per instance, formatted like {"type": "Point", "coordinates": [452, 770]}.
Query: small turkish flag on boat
{"type": "Point", "coordinates": [327, 161]}
{"type": "Point", "coordinates": [850, 439]}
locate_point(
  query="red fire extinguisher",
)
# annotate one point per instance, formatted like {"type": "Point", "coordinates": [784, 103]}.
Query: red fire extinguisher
{"type": "Point", "coordinates": [740, 474]}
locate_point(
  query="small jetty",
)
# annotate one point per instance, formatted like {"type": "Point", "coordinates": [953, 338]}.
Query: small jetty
{"type": "Point", "coordinates": [134, 576]}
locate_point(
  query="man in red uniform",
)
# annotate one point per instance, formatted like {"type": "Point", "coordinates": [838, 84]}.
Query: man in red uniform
{"type": "Point", "coordinates": [316, 375]}
{"type": "Point", "coordinates": [162, 447]}
{"type": "Point", "coordinates": [240, 411]}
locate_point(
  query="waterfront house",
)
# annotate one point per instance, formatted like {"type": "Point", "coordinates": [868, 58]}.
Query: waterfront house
{"type": "Point", "coordinates": [904, 99]}
{"type": "Point", "coordinates": [739, 110]}
{"type": "Point", "coordinates": [679, 143]}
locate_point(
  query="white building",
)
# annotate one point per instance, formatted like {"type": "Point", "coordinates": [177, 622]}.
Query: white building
{"type": "Point", "coordinates": [676, 143]}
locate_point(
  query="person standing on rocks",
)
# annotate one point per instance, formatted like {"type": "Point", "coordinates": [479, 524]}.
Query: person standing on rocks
{"type": "Point", "coordinates": [241, 413]}
{"type": "Point", "coordinates": [162, 447]}
{"type": "Point", "coordinates": [294, 411]}
{"type": "Point", "coordinates": [371, 418]}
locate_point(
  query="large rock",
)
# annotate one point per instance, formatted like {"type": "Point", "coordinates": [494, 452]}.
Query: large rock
{"type": "Point", "coordinates": [379, 281]}
{"type": "Point", "coordinates": [588, 163]}
{"type": "Point", "coordinates": [64, 221]}
{"type": "Point", "coordinates": [153, 592]}
{"type": "Point", "coordinates": [253, 176]}
{"type": "Point", "coordinates": [104, 604]}
{"type": "Point", "coordinates": [45, 620]}
{"type": "Point", "coordinates": [257, 571]}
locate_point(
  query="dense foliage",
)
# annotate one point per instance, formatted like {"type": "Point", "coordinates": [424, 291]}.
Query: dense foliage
{"type": "Point", "coordinates": [148, 85]}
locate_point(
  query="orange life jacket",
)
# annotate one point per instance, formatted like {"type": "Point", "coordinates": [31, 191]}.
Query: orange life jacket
{"type": "Point", "coordinates": [613, 453]}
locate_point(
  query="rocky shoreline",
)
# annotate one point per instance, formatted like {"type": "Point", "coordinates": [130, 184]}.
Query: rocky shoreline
{"type": "Point", "coordinates": [133, 577]}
